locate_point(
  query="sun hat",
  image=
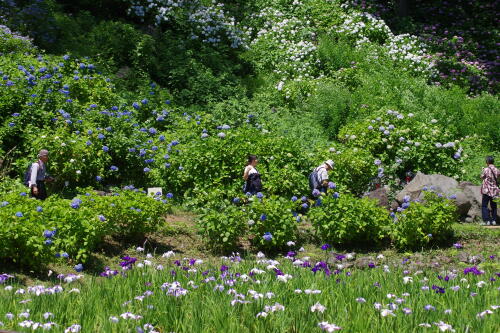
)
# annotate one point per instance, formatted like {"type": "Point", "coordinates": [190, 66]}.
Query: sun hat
{"type": "Point", "coordinates": [329, 163]}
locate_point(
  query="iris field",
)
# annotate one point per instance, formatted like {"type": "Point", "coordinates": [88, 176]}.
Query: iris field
{"type": "Point", "coordinates": [167, 293]}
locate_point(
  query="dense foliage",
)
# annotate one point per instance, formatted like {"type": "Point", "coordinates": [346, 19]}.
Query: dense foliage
{"type": "Point", "coordinates": [36, 232]}
{"type": "Point", "coordinates": [176, 95]}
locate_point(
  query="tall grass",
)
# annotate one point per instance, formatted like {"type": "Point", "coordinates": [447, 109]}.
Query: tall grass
{"type": "Point", "coordinates": [209, 304]}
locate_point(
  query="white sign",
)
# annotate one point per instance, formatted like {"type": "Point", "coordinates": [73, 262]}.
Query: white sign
{"type": "Point", "coordinates": [153, 191]}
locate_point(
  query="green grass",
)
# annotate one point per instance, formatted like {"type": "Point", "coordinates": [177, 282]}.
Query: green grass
{"type": "Point", "coordinates": [204, 309]}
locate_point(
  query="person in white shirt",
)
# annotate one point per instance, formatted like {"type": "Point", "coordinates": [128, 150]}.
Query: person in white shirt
{"type": "Point", "coordinates": [322, 172]}
{"type": "Point", "coordinates": [38, 176]}
{"type": "Point", "coordinates": [253, 183]}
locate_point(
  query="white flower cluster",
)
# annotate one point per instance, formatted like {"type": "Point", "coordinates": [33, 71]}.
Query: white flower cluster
{"type": "Point", "coordinates": [408, 50]}
{"type": "Point", "coordinates": [365, 29]}
{"type": "Point", "coordinates": [286, 45]}
{"type": "Point", "coordinates": [212, 23]}
{"type": "Point", "coordinates": [209, 23]}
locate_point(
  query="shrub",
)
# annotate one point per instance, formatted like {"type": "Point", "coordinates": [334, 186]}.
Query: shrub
{"type": "Point", "coordinates": [272, 221]}
{"type": "Point", "coordinates": [267, 222]}
{"type": "Point", "coordinates": [402, 142]}
{"type": "Point", "coordinates": [424, 223]}
{"type": "Point", "coordinates": [224, 228]}
{"type": "Point", "coordinates": [353, 170]}
{"type": "Point", "coordinates": [12, 42]}
{"type": "Point", "coordinates": [23, 222]}
{"type": "Point", "coordinates": [346, 220]}
{"type": "Point", "coordinates": [37, 232]}
{"type": "Point", "coordinates": [130, 212]}
{"type": "Point", "coordinates": [205, 163]}
{"type": "Point", "coordinates": [71, 159]}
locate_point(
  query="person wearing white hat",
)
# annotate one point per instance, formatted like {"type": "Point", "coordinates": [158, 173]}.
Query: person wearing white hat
{"type": "Point", "coordinates": [321, 173]}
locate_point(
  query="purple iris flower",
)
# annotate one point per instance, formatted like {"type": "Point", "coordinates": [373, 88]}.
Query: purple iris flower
{"type": "Point", "coordinates": [472, 270]}
{"type": "Point", "coordinates": [128, 262]}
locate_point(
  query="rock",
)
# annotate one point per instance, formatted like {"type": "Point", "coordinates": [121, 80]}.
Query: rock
{"type": "Point", "coordinates": [462, 185]}
{"type": "Point", "coordinates": [473, 194]}
{"type": "Point", "coordinates": [463, 203]}
{"type": "Point", "coordinates": [439, 183]}
{"type": "Point", "coordinates": [381, 195]}
{"type": "Point", "coordinates": [463, 257]}
{"type": "Point", "coordinates": [443, 259]}
{"type": "Point", "coordinates": [467, 195]}
{"type": "Point", "coordinates": [123, 72]}
{"type": "Point", "coordinates": [477, 259]}
{"type": "Point", "coordinates": [363, 262]}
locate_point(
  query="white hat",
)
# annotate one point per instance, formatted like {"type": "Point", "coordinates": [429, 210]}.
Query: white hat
{"type": "Point", "coordinates": [329, 163]}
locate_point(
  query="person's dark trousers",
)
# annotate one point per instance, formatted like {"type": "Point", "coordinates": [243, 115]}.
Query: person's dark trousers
{"type": "Point", "coordinates": [486, 212]}
{"type": "Point", "coordinates": [42, 191]}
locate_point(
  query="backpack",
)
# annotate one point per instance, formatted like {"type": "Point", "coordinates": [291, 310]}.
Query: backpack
{"type": "Point", "coordinates": [253, 183]}
{"type": "Point", "coordinates": [27, 175]}
{"type": "Point", "coordinates": [314, 182]}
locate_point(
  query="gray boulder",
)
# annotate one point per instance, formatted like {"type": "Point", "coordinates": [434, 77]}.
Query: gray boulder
{"type": "Point", "coordinates": [381, 195]}
{"type": "Point", "coordinates": [439, 183]}
{"type": "Point", "coordinates": [467, 196]}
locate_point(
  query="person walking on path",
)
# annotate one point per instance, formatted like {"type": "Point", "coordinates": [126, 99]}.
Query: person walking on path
{"type": "Point", "coordinates": [318, 179]}
{"type": "Point", "coordinates": [38, 176]}
{"type": "Point", "coordinates": [490, 191]}
{"type": "Point", "coordinates": [253, 183]}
